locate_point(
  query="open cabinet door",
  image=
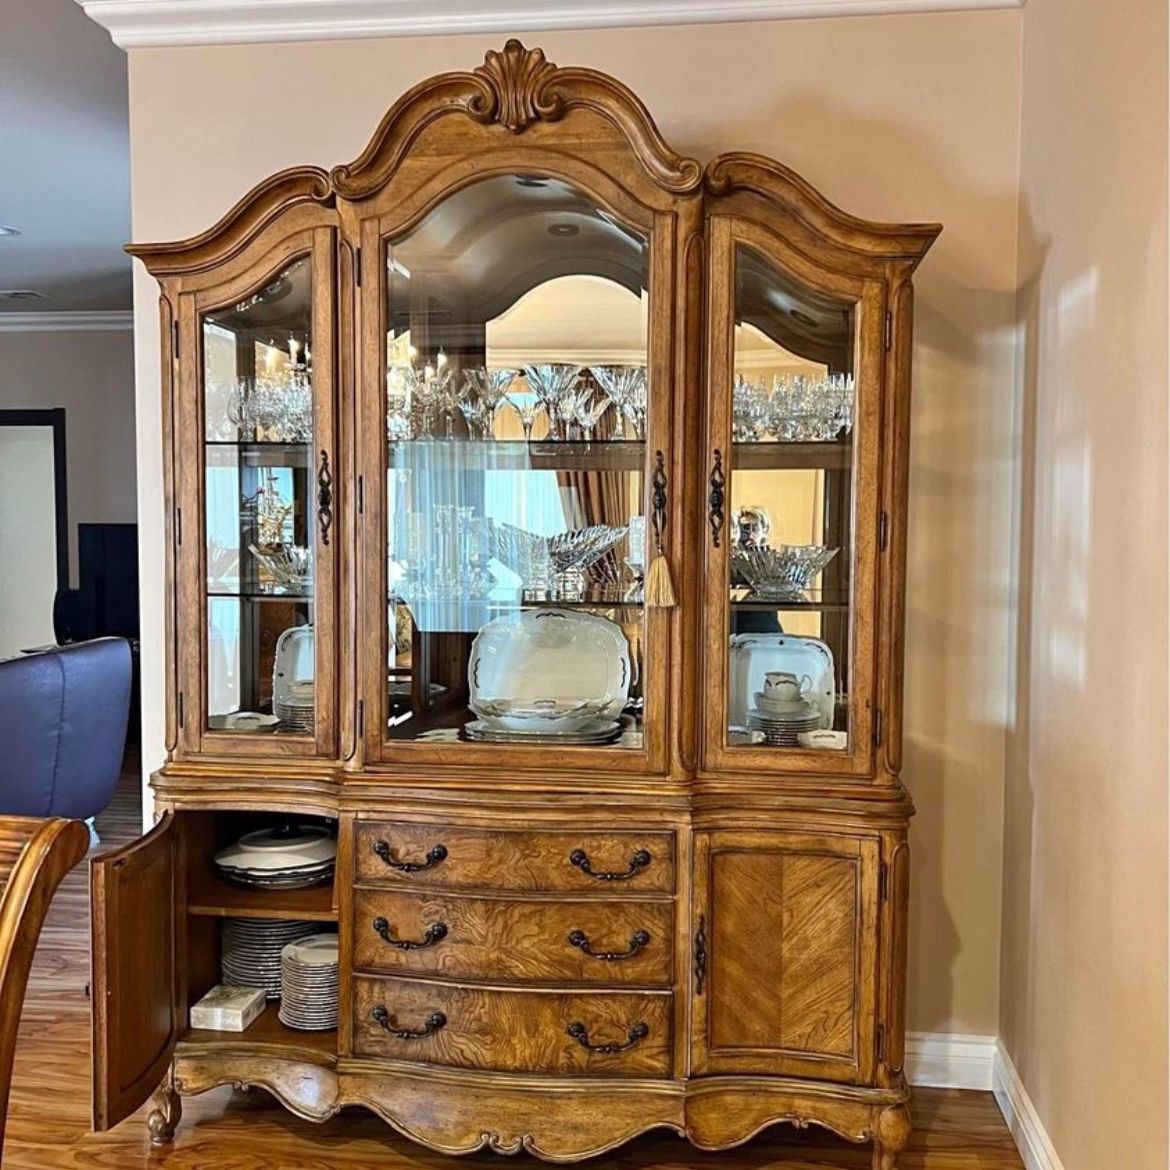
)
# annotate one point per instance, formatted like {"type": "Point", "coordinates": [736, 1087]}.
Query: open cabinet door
{"type": "Point", "coordinates": [137, 1015]}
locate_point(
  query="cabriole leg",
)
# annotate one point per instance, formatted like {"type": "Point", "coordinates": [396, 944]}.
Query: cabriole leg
{"type": "Point", "coordinates": [166, 1114]}
{"type": "Point", "coordinates": [891, 1133]}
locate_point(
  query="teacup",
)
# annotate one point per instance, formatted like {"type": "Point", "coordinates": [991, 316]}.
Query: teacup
{"type": "Point", "coordinates": [786, 687]}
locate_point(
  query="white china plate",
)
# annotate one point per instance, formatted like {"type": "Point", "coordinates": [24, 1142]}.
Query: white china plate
{"type": "Point", "coordinates": [292, 665]}
{"type": "Point", "coordinates": [242, 721]}
{"type": "Point", "coordinates": [751, 656]}
{"type": "Point", "coordinates": [265, 850]}
{"type": "Point", "coordinates": [318, 950]}
{"type": "Point", "coordinates": [553, 654]}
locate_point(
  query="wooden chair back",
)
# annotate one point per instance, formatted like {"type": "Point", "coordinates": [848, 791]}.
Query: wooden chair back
{"type": "Point", "coordinates": [35, 854]}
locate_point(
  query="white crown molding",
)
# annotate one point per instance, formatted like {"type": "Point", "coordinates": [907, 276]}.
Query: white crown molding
{"type": "Point", "coordinates": [950, 1060]}
{"type": "Point", "coordinates": [155, 23]}
{"type": "Point", "coordinates": [66, 322]}
{"type": "Point", "coordinates": [1031, 1138]}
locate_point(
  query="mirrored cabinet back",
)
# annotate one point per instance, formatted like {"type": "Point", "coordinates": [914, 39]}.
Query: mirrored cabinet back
{"type": "Point", "coordinates": [536, 514]}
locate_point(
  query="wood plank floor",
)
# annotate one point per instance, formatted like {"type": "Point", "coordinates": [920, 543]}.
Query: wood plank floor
{"type": "Point", "coordinates": [48, 1127]}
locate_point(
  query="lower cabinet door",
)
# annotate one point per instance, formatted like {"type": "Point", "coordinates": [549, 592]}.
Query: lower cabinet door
{"type": "Point", "coordinates": [785, 954]}
{"type": "Point", "coordinates": [613, 1033]}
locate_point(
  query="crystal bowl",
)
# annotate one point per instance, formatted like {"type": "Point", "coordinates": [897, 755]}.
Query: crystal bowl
{"type": "Point", "coordinates": [782, 573]}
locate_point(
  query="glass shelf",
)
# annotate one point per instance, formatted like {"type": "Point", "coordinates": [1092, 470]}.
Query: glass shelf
{"type": "Point", "coordinates": [517, 455]}
{"type": "Point", "coordinates": [248, 595]}
{"type": "Point", "coordinates": [264, 453]}
{"type": "Point", "coordinates": [827, 456]}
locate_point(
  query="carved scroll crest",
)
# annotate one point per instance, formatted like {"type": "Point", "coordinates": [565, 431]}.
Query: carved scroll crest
{"type": "Point", "coordinates": [515, 93]}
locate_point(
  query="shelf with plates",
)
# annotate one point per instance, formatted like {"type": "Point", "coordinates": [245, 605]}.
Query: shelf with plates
{"type": "Point", "coordinates": [212, 897]}
{"type": "Point", "coordinates": [518, 455]}
{"type": "Point", "coordinates": [781, 456]}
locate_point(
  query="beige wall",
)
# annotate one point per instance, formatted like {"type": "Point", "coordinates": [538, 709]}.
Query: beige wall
{"type": "Point", "coordinates": [1085, 911]}
{"type": "Point", "coordinates": [909, 117]}
{"type": "Point", "coordinates": [90, 374]}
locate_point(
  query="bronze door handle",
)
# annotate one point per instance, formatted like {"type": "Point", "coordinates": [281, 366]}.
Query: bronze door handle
{"type": "Point", "coordinates": [717, 483]}
{"type": "Point", "coordinates": [324, 497]}
{"type": "Point", "coordinates": [638, 940]}
{"type": "Point", "coordinates": [382, 1017]}
{"type": "Point", "coordinates": [435, 855]}
{"type": "Point", "coordinates": [436, 932]}
{"type": "Point", "coordinates": [638, 861]}
{"type": "Point", "coordinates": [634, 1036]}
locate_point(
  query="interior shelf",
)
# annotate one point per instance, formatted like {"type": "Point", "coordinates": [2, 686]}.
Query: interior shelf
{"type": "Point", "coordinates": [237, 595]}
{"type": "Point", "coordinates": [212, 897]}
{"type": "Point", "coordinates": [513, 454]}
{"type": "Point", "coordinates": [831, 456]}
{"type": "Point", "coordinates": [263, 453]}
{"type": "Point", "coordinates": [266, 1030]}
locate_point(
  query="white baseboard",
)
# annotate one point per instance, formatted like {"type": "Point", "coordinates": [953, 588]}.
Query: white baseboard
{"type": "Point", "coordinates": [950, 1060]}
{"type": "Point", "coordinates": [1031, 1137]}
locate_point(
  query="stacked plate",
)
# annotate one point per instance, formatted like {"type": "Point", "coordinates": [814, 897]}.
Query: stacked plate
{"type": "Point", "coordinates": [309, 983]}
{"type": "Point", "coordinates": [781, 721]}
{"type": "Point", "coordinates": [252, 949]}
{"type": "Point", "coordinates": [295, 709]}
{"type": "Point", "coordinates": [280, 859]}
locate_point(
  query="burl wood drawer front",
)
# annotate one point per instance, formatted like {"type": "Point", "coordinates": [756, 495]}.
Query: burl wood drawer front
{"type": "Point", "coordinates": [458, 936]}
{"type": "Point", "coordinates": [622, 1033]}
{"type": "Point", "coordinates": [495, 859]}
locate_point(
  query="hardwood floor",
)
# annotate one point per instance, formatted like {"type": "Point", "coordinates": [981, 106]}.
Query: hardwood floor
{"type": "Point", "coordinates": [48, 1127]}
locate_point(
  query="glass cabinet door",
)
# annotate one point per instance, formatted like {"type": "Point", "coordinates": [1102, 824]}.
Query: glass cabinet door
{"type": "Point", "coordinates": [795, 376]}
{"type": "Point", "coordinates": [265, 425]}
{"type": "Point", "coordinates": [518, 432]}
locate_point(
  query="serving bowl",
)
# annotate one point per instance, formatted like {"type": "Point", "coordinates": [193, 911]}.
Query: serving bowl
{"type": "Point", "coordinates": [782, 573]}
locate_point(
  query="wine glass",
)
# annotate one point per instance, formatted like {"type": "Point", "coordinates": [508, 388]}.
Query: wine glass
{"type": "Point", "coordinates": [550, 382]}
{"type": "Point", "coordinates": [625, 386]}
{"type": "Point", "coordinates": [490, 387]}
{"type": "Point", "coordinates": [590, 412]}
{"type": "Point", "coordinates": [528, 412]}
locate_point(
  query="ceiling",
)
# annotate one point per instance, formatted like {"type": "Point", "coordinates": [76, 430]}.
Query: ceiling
{"type": "Point", "coordinates": [64, 160]}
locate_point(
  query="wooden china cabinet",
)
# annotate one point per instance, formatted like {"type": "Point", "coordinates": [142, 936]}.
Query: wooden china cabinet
{"type": "Point", "coordinates": [675, 914]}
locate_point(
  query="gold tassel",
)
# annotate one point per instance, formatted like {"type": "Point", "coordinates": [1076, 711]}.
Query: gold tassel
{"type": "Point", "coordinates": [659, 588]}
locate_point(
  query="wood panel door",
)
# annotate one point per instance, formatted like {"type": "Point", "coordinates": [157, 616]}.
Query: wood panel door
{"type": "Point", "coordinates": [137, 1009]}
{"type": "Point", "coordinates": [785, 957]}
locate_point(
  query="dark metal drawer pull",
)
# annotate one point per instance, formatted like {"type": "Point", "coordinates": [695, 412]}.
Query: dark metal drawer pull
{"type": "Point", "coordinates": [636, 1034]}
{"type": "Point", "coordinates": [638, 861]}
{"type": "Point", "coordinates": [436, 932]}
{"type": "Point", "coordinates": [436, 854]}
{"type": "Point", "coordinates": [434, 1022]}
{"type": "Point", "coordinates": [638, 940]}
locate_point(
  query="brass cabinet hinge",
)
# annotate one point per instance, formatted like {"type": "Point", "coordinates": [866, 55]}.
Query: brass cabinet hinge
{"type": "Point", "coordinates": [884, 883]}
{"type": "Point", "coordinates": [174, 341]}
{"type": "Point", "coordinates": [883, 531]}
{"type": "Point", "coordinates": [361, 495]}
{"type": "Point", "coordinates": [889, 329]}
{"type": "Point", "coordinates": [357, 266]}
{"type": "Point", "coordinates": [178, 526]}
{"type": "Point", "coordinates": [361, 718]}
{"type": "Point", "coordinates": [877, 728]}
{"type": "Point", "coordinates": [179, 707]}
{"type": "Point", "coordinates": [881, 1042]}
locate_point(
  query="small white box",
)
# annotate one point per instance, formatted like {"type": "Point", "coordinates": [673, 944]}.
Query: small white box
{"type": "Point", "coordinates": [228, 1009]}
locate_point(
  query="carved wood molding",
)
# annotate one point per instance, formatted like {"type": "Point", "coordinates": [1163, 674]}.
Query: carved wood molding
{"type": "Point", "coordinates": [779, 184]}
{"type": "Point", "coordinates": [514, 88]}
{"type": "Point", "coordinates": [242, 224]}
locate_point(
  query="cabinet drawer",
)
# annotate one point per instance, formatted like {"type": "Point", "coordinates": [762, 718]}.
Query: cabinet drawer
{"type": "Point", "coordinates": [620, 1033]}
{"type": "Point", "coordinates": [390, 853]}
{"type": "Point", "coordinates": [584, 940]}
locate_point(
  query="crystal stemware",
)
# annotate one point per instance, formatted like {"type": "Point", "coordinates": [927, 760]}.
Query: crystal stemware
{"type": "Point", "coordinates": [590, 412]}
{"type": "Point", "coordinates": [550, 383]}
{"type": "Point", "coordinates": [528, 412]}
{"type": "Point", "coordinates": [490, 387]}
{"type": "Point", "coordinates": [625, 386]}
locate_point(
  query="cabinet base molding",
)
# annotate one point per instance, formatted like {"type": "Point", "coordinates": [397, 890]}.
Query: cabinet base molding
{"type": "Point", "coordinates": [556, 1119]}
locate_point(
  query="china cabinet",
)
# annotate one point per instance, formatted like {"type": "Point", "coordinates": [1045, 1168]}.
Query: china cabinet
{"type": "Point", "coordinates": [535, 508]}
